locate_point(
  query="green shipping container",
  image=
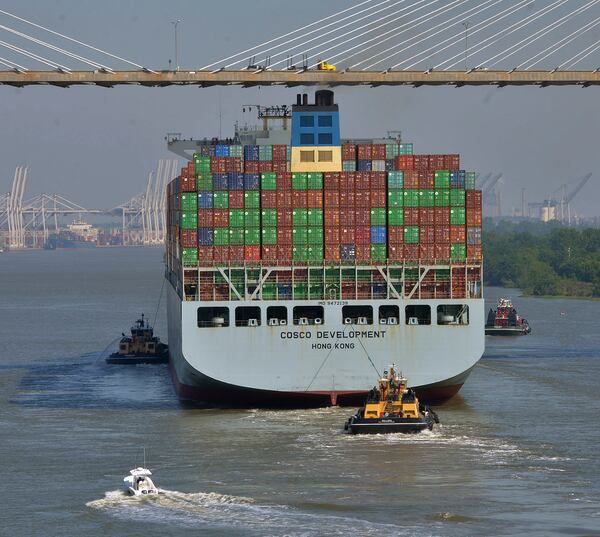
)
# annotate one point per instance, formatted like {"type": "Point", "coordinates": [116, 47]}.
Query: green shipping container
{"type": "Point", "coordinates": [348, 165]}
{"type": "Point", "coordinates": [236, 236]}
{"type": "Point", "coordinates": [391, 151]}
{"type": "Point", "coordinates": [470, 181]}
{"type": "Point", "coordinates": [236, 218]}
{"type": "Point", "coordinates": [221, 236]}
{"type": "Point", "coordinates": [396, 217]}
{"type": "Point", "coordinates": [252, 199]}
{"type": "Point", "coordinates": [252, 236]}
{"type": "Point", "coordinates": [189, 201]}
{"type": "Point", "coordinates": [395, 180]}
{"type": "Point", "coordinates": [269, 236]}
{"type": "Point", "coordinates": [457, 197]}
{"type": "Point", "coordinates": [269, 217]}
{"type": "Point", "coordinates": [442, 179]}
{"type": "Point", "coordinates": [458, 252]}
{"type": "Point", "coordinates": [442, 198]}
{"type": "Point", "coordinates": [189, 256]}
{"type": "Point", "coordinates": [265, 152]}
{"type": "Point", "coordinates": [406, 149]}
{"type": "Point", "coordinates": [314, 181]}
{"type": "Point", "coordinates": [204, 182]}
{"type": "Point", "coordinates": [189, 220]}
{"type": "Point", "coordinates": [300, 217]}
{"type": "Point", "coordinates": [221, 199]}
{"type": "Point", "coordinates": [411, 198]}
{"type": "Point", "coordinates": [269, 291]}
{"type": "Point", "coordinates": [252, 218]}
{"type": "Point", "coordinates": [300, 289]}
{"type": "Point", "coordinates": [411, 235]}
{"type": "Point", "coordinates": [378, 217]}
{"type": "Point", "coordinates": [299, 181]}
{"type": "Point", "coordinates": [395, 198]}
{"type": "Point", "coordinates": [314, 217]}
{"type": "Point", "coordinates": [457, 216]}
{"type": "Point", "coordinates": [315, 253]}
{"type": "Point", "coordinates": [315, 290]}
{"type": "Point", "coordinates": [236, 151]}
{"type": "Point", "coordinates": [426, 198]}
{"type": "Point", "coordinates": [268, 181]}
{"type": "Point", "coordinates": [378, 252]}
{"type": "Point", "coordinates": [314, 235]}
{"type": "Point", "coordinates": [300, 236]}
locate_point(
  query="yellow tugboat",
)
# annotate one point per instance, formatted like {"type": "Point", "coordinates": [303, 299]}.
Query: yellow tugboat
{"type": "Point", "coordinates": [142, 347]}
{"type": "Point", "coordinates": [391, 407]}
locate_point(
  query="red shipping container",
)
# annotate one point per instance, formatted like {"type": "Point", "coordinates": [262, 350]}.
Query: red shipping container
{"type": "Point", "coordinates": [268, 199]}
{"type": "Point", "coordinates": [189, 238]}
{"type": "Point", "coordinates": [332, 198]}
{"type": "Point", "coordinates": [436, 162]}
{"type": "Point", "coordinates": [411, 179]}
{"type": "Point", "coordinates": [251, 166]}
{"type": "Point", "coordinates": [347, 181]}
{"type": "Point", "coordinates": [284, 181]}
{"type": "Point", "coordinates": [362, 217]}
{"type": "Point", "coordinates": [234, 165]}
{"type": "Point", "coordinates": [284, 199]}
{"type": "Point", "coordinates": [315, 199]}
{"type": "Point", "coordinates": [331, 181]}
{"type": "Point", "coordinates": [206, 218]}
{"type": "Point", "coordinates": [442, 234]}
{"type": "Point", "coordinates": [378, 152]}
{"type": "Point", "coordinates": [473, 199]}
{"type": "Point", "coordinates": [404, 162]}
{"type": "Point", "coordinates": [442, 251]}
{"type": "Point", "coordinates": [221, 217]}
{"type": "Point", "coordinates": [284, 236]}
{"type": "Point", "coordinates": [365, 152]}
{"type": "Point", "coordinates": [252, 253]}
{"type": "Point", "coordinates": [279, 152]}
{"type": "Point", "coordinates": [362, 181]}
{"type": "Point", "coordinates": [442, 216]}
{"type": "Point", "coordinates": [396, 252]}
{"type": "Point", "coordinates": [284, 216]}
{"type": "Point", "coordinates": [332, 217]}
{"type": "Point", "coordinates": [220, 253]}
{"type": "Point", "coordinates": [378, 198]}
{"type": "Point", "coordinates": [411, 216]}
{"type": "Point", "coordinates": [188, 184]}
{"type": "Point", "coordinates": [347, 198]}
{"type": "Point", "coordinates": [236, 253]}
{"type": "Point", "coordinates": [427, 252]}
{"type": "Point", "coordinates": [421, 162]}
{"type": "Point", "coordinates": [191, 167]}
{"type": "Point", "coordinates": [348, 152]}
{"type": "Point", "coordinates": [205, 253]}
{"type": "Point", "coordinates": [411, 251]}
{"type": "Point", "coordinates": [347, 216]}
{"type": "Point", "coordinates": [396, 235]}
{"type": "Point", "coordinates": [332, 252]}
{"type": "Point", "coordinates": [299, 198]}
{"type": "Point", "coordinates": [475, 252]}
{"type": "Point", "coordinates": [426, 216]}
{"type": "Point", "coordinates": [474, 217]}
{"type": "Point", "coordinates": [458, 234]}
{"type": "Point", "coordinates": [269, 253]}
{"type": "Point", "coordinates": [347, 235]}
{"type": "Point", "coordinates": [362, 234]}
{"type": "Point", "coordinates": [284, 253]}
{"type": "Point", "coordinates": [218, 165]}
{"type": "Point", "coordinates": [451, 162]}
{"type": "Point", "coordinates": [426, 179]}
{"type": "Point", "coordinates": [280, 166]}
{"type": "Point", "coordinates": [236, 199]}
{"type": "Point", "coordinates": [426, 234]}
{"type": "Point", "coordinates": [332, 235]}
{"type": "Point", "coordinates": [378, 180]}
{"type": "Point", "coordinates": [362, 198]}
{"type": "Point", "coordinates": [265, 166]}
{"type": "Point", "coordinates": [363, 252]}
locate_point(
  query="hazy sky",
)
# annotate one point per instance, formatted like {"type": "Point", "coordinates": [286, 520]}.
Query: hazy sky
{"type": "Point", "coordinates": [96, 146]}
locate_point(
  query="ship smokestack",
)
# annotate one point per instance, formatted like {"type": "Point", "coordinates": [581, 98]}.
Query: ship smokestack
{"type": "Point", "coordinates": [305, 99]}
{"type": "Point", "coordinates": [298, 99]}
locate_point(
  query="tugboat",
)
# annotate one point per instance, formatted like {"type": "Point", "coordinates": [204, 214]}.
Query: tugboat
{"type": "Point", "coordinates": [504, 321]}
{"type": "Point", "coordinates": [391, 407]}
{"type": "Point", "coordinates": [142, 347]}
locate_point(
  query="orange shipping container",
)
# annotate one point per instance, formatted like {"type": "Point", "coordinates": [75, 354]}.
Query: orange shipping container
{"type": "Point", "coordinates": [458, 234]}
{"type": "Point", "coordinates": [405, 162]}
{"type": "Point", "coordinates": [474, 217]}
{"type": "Point", "coordinates": [475, 252]}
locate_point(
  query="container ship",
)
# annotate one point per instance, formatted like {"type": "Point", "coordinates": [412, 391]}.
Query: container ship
{"type": "Point", "coordinates": [299, 265]}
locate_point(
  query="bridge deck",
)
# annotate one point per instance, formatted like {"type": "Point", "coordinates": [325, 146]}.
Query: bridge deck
{"type": "Point", "coordinates": [246, 78]}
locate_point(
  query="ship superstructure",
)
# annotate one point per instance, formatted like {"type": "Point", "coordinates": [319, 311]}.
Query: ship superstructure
{"type": "Point", "coordinates": [298, 270]}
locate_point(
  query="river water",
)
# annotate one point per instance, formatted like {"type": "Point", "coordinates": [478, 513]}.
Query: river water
{"type": "Point", "coordinates": [516, 453]}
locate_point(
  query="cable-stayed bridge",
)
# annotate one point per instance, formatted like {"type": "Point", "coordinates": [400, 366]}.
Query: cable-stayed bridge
{"type": "Point", "coordinates": [370, 43]}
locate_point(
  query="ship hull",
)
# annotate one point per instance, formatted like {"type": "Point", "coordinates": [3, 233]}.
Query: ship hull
{"type": "Point", "coordinates": [315, 366]}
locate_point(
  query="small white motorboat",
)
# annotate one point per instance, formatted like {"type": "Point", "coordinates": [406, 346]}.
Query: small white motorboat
{"type": "Point", "coordinates": [139, 483]}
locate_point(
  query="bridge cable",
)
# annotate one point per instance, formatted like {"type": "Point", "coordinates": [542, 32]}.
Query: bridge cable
{"type": "Point", "coordinates": [33, 56]}
{"type": "Point", "coordinates": [594, 46]}
{"type": "Point", "coordinates": [14, 65]}
{"type": "Point", "coordinates": [291, 33]}
{"type": "Point", "coordinates": [72, 40]}
{"type": "Point", "coordinates": [502, 34]}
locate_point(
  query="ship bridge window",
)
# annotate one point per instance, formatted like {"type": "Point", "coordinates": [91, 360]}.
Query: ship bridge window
{"type": "Point", "coordinates": [418, 314]}
{"type": "Point", "coordinates": [276, 315]}
{"type": "Point", "coordinates": [213, 317]}
{"type": "Point", "coordinates": [325, 138]}
{"type": "Point", "coordinates": [308, 315]}
{"type": "Point", "coordinates": [389, 314]}
{"type": "Point", "coordinates": [357, 314]}
{"type": "Point", "coordinates": [307, 138]}
{"type": "Point", "coordinates": [453, 314]}
{"type": "Point", "coordinates": [247, 316]}
{"type": "Point", "coordinates": [307, 121]}
{"type": "Point", "coordinates": [325, 121]}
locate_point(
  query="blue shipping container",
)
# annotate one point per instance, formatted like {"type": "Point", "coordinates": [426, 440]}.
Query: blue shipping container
{"type": "Point", "coordinates": [221, 150]}
{"type": "Point", "coordinates": [378, 235]}
{"type": "Point", "coordinates": [235, 181]}
{"type": "Point", "coordinates": [251, 181]}
{"type": "Point", "coordinates": [456, 179]}
{"type": "Point", "coordinates": [364, 166]}
{"type": "Point", "coordinates": [206, 236]}
{"type": "Point", "coordinates": [205, 200]}
{"type": "Point", "coordinates": [220, 181]}
{"type": "Point", "coordinates": [251, 152]}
